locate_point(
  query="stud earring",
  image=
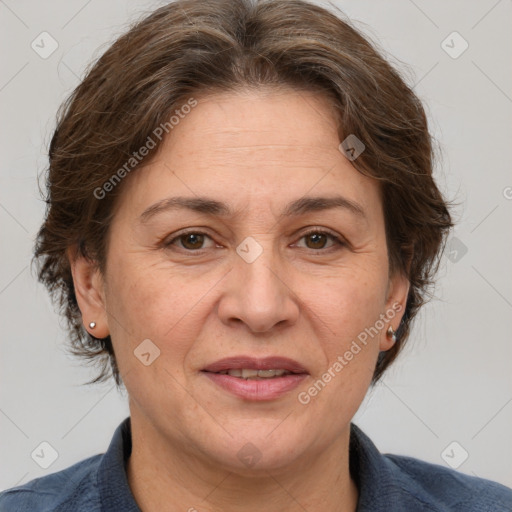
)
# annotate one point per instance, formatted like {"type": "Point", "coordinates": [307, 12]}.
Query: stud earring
{"type": "Point", "coordinates": [390, 332]}
{"type": "Point", "coordinates": [92, 325]}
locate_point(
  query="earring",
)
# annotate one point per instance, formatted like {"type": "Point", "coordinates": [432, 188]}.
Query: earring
{"type": "Point", "coordinates": [92, 325]}
{"type": "Point", "coordinates": [392, 333]}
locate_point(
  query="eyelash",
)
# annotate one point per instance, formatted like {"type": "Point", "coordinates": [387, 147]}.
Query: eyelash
{"type": "Point", "coordinates": [338, 241]}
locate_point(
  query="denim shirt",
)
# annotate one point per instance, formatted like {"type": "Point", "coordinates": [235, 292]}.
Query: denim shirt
{"type": "Point", "coordinates": [386, 483]}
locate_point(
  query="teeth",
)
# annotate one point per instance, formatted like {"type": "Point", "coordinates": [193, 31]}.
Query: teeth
{"type": "Point", "coordinates": [252, 374]}
{"type": "Point", "coordinates": [271, 373]}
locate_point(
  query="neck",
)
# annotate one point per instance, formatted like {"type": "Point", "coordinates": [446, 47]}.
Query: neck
{"type": "Point", "coordinates": [164, 477]}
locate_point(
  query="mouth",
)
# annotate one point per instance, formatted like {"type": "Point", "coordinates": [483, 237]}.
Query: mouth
{"type": "Point", "coordinates": [256, 379]}
{"type": "Point", "coordinates": [247, 373]}
{"type": "Point", "coordinates": [251, 367]}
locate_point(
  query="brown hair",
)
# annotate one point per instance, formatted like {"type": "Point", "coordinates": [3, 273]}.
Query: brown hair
{"type": "Point", "coordinates": [191, 46]}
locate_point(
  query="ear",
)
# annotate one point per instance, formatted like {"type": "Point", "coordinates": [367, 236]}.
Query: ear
{"type": "Point", "coordinates": [90, 292]}
{"type": "Point", "coordinates": [398, 291]}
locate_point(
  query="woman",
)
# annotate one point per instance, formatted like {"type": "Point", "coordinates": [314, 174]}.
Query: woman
{"type": "Point", "coordinates": [242, 222]}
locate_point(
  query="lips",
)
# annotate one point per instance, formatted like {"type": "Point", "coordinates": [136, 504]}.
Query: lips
{"type": "Point", "coordinates": [256, 379]}
{"type": "Point", "coordinates": [251, 363]}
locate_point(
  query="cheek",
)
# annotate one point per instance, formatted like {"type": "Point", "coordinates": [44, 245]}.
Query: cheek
{"type": "Point", "coordinates": [352, 306]}
{"type": "Point", "coordinates": [351, 299]}
{"type": "Point", "coordinates": [155, 301]}
{"type": "Point", "coordinates": [352, 346]}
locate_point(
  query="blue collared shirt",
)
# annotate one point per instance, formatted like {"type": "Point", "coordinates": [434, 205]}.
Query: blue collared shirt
{"type": "Point", "coordinates": [387, 483]}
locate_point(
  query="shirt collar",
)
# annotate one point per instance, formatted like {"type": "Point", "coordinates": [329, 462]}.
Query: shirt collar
{"type": "Point", "coordinates": [373, 474]}
{"type": "Point", "coordinates": [368, 467]}
{"type": "Point", "coordinates": [115, 493]}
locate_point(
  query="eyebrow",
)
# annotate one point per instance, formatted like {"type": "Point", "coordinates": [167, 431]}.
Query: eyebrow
{"type": "Point", "coordinates": [209, 206]}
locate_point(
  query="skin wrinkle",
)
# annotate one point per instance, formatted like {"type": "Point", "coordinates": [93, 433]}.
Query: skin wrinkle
{"type": "Point", "coordinates": [333, 205]}
{"type": "Point", "coordinates": [197, 309]}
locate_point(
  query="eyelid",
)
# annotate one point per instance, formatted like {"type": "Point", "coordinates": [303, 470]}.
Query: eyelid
{"type": "Point", "coordinates": [338, 239]}
{"type": "Point", "coordinates": [169, 240]}
{"type": "Point", "coordinates": [325, 231]}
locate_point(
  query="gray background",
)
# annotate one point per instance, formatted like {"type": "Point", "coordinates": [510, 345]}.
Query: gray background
{"type": "Point", "coordinates": [452, 383]}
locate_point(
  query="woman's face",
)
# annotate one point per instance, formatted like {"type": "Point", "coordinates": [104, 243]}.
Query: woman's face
{"type": "Point", "coordinates": [247, 282]}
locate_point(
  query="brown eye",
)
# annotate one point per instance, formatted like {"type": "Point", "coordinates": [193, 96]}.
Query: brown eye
{"type": "Point", "coordinates": [192, 241]}
{"type": "Point", "coordinates": [317, 239]}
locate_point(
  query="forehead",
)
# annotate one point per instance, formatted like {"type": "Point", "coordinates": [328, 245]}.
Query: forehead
{"type": "Point", "coordinates": [260, 120]}
{"type": "Point", "coordinates": [252, 149]}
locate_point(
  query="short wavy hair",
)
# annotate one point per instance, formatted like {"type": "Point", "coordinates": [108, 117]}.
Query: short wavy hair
{"type": "Point", "coordinates": [189, 47]}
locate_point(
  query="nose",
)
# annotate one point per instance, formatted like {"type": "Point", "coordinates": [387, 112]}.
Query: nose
{"type": "Point", "coordinates": [259, 293]}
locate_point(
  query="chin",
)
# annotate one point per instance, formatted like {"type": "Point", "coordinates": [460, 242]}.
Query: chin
{"type": "Point", "coordinates": [252, 451]}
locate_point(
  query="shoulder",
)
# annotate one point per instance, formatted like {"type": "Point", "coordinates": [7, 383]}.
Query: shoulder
{"type": "Point", "coordinates": [72, 489]}
{"type": "Point", "coordinates": [447, 489]}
